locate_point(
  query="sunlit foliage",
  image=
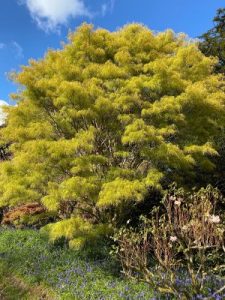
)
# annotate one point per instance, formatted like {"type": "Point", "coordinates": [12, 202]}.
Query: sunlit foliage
{"type": "Point", "coordinates": [107, 119]}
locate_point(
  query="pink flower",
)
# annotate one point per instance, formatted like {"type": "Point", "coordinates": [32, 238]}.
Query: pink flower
{"type": "Point", "coordinates": [177, 202]}
{"type": "Point", "coordinates": [214, 219]}
{"type": "Point", "coordinates": [173, 238]}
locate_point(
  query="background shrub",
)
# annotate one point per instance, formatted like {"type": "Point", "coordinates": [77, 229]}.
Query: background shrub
{"type": "Point", "coordinates": [179, 250]}
{"type": "Point", "coordinates": [32, 214]}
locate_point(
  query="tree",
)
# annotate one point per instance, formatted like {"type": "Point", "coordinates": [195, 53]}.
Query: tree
{"type": "Point", "coordinates": [213, 44]}
{"type": "Point", "coordinates": [105, 121]}
{"type": "Point", "coordinates": [213, 41]}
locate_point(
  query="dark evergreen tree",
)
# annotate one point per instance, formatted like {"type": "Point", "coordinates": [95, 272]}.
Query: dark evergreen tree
{"type": "Point", "coordinates": [213, 41]}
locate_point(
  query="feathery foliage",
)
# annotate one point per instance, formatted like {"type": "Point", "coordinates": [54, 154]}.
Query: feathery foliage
{"type": "Point", "coordinates": [107, 119]}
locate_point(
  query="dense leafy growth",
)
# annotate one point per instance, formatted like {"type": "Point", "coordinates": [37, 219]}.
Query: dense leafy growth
{"type": "Point", "coordinates": [213, 41]}
{"type": "Point", "coordinates": [105, 121]}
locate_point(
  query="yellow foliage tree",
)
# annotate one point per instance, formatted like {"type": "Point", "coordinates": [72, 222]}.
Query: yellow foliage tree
{"type": "Point", "coordinates": [105, 120]}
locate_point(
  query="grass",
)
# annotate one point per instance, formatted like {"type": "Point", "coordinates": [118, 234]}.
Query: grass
{"type": "Point", "coordinates": [31, 268]}
{"type": "Point", "coordinates": [14, 288]}
{"type": "Point", "coordinates": [9, 287]}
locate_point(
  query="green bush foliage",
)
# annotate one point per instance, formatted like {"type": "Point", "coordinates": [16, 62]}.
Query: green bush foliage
{"type": "Point", "coordinates": [105, 121]}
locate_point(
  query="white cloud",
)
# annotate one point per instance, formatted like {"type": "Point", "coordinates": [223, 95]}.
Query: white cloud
{"type": "Point", "coordinates": [51, 14]}
{"type": "Point", "coordinates": [112, 4]}
{"type": "Point", "coordinates": [104, 9]}
{"type": "Point", "coordinates": [2, 113]}
{"type": "Point", "coordinates": [107, 7]}
{"type": "Point", "coordinates": [18, 50]}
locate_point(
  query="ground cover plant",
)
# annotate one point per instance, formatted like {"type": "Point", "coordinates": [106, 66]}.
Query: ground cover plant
{"type": "Point", "coordinates": [59, 273]}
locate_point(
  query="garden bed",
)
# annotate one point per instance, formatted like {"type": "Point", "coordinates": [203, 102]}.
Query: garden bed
{"type": "Point", "coordinates": [55, 272]}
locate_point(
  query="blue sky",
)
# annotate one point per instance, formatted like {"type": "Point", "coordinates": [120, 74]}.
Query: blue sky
{"type": "Point", "coordinates": [29, 27]}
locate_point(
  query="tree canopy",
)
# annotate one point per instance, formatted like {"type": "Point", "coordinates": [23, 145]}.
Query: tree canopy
{"type": "Point", "coordinates": [101, 123]}
{"type": "Point", "coordinates": [213, 41]}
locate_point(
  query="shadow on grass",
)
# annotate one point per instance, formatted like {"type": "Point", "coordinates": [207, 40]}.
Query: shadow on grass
{"type": "Point", "coordinates": [14, 288]}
